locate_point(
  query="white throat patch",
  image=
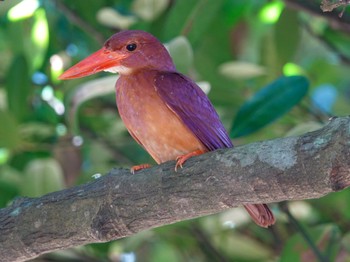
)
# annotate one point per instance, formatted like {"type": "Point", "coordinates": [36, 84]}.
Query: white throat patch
{"type": "Point", "coordinates": [119, 69]}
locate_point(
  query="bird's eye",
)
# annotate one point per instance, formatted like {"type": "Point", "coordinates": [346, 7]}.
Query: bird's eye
{"type": "Point", "coordinates": [131, 47]}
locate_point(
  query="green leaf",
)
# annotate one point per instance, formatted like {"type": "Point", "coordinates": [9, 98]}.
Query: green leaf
{"type": "Point", "coordinates": [246, 247]}
{"type": "Point", "coordinates": [208, 57]}
{"type": "Point", "coordinates": [337, 40]}
{"type": "Point", "coordinates": [45, 113]}
{"type": "Point", "coordinates": [87, 91]}
{"type": "Point", "coordinates": [191, 18]}
{"type": "Point", "coordinates": [10, 179]}
{"type": "Point", "coordinates": [149, 10]}
{"type": "Point", "coordinates": [42, 176]}
{"type": "Point", "coordinates": [36, 49]}
{"type": "Point", "coordinates": [268, 104]}
{"type": "Point", "coordinates": [37, 132]}
{"type": "Point", "coordinates": [112, 18]}
{"type": "Point", "coordinates": [346, 244]}
{"type": "Point", "coordinates": [181, 52]}
{"type": "Point", "coordinates": [7, 5]}
{"type": "Point", "coordinates": [303, 128]}
{"type": "Point", "coordinates": [18, 87]}
{"type": "Point", "coordinates": [287, 35]}
{"type": "Point", "coordinates": [241, 70]}
{"type": "Point", "coordinates": [233, 11]}
{"type": "Point", "coordinates": [325, 237]}
{"type": "Point", "coordinates": [9, 132]}
{"type": "Point", "coordinates": [8, 192]}
{"type": "Point", "coordinates": [163, 251]}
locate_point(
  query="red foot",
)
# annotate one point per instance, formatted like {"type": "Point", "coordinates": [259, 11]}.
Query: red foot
{"type": "Point", "coordinates": [180, 160]}
{"type": "Point", "coordinates": [139, 167]}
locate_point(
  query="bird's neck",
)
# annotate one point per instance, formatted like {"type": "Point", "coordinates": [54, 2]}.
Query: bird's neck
{"type": "Point", "coordinates": [135, 79]}
{"type": "Point", "coordinates": [126, 72]}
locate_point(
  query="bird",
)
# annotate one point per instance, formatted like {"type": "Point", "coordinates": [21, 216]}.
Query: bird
{"type": "Point", "coordinates": [165, 111]}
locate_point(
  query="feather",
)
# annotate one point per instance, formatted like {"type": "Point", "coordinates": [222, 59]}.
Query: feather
{"type": "Point", "coordinates": [192, 106]}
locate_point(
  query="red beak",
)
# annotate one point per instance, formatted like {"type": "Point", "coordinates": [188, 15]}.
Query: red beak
{"type": "Point", "coordinates": [101, 60]}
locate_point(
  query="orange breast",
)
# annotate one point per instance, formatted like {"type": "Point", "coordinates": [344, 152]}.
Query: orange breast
{"type": "Point", "coordinates": [149, 120]}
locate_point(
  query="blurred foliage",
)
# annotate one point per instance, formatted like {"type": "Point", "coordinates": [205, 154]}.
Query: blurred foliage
{"type": "Point", "coordinates": [55, 134]}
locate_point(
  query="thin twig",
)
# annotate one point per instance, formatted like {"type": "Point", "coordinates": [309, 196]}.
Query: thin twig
{"type": "Point", "coordinates": [78, 21]}
{"type": "Point", "coordinates": [205, 243]}
{"type": "Point", "coordinates": [328, 6]}
{"type": "Point", "coordinates": [303, 233]}
{"type": "Point", "coordinates": [313, 8]}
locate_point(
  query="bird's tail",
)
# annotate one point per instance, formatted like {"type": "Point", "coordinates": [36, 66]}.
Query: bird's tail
{"type": "Point", "coordinates": [261, 214]}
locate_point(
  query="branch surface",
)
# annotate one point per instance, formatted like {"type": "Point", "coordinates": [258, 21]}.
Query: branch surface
{"type": "Point", "coordinates": [120, 204]}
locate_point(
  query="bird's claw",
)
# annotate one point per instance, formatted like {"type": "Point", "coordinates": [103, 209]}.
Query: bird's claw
{"type": "Point", "coordinates": [180, 160]}
{"type": "Point", "coordinates": [133, 169]}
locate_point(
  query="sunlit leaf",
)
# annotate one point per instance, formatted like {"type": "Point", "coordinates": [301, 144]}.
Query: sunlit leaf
{"type": "Point", "coordinates": [181, 52]}
{"type": "Point", "coordinates": [205, 86]}
{"type": "Point", "coordinates": [56, 63]}
{"type": "Point", "coordinates": [291, 69]}
{"type": "Point", "coordinates": [271, 12]}
{"type": "Point", "coordinates": [268, 104]}
{"type": "Point", "coordinates": [112, 18]}
{"type": "Point", "coordinates": [149, 10]}
{"type": "Point", "coordinates": [22, 10]}
{"type": "Point", "coordinates": [4, 155]}
{"type": "Point", "coordinates": [241, 70]}
{"type": "Point", "coordinates": [40, 38]}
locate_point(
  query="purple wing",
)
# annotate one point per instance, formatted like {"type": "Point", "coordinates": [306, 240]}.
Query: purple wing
{"type": "Point", "coordinates": [193, 107]}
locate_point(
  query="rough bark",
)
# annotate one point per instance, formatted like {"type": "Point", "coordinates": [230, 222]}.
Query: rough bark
{"type": "Point", "coordinates": [120, 204]}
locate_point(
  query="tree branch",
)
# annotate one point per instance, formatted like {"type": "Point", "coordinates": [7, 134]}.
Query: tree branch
{"type": "Point", "coordinates": [313, 8]}
{"type": "Point", "coordinates": [120, 204]}
{"type": "Point", "coordinates": [78, 21]}
{"type": "Point", "coordinates": [328, 6]}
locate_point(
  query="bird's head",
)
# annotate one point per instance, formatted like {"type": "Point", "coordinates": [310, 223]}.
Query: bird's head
{"type": "Point", "coordinates": [124, 53]}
